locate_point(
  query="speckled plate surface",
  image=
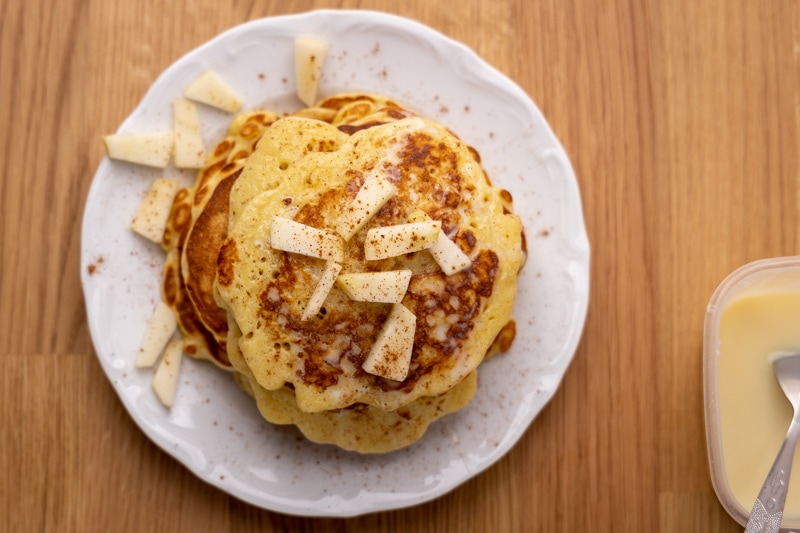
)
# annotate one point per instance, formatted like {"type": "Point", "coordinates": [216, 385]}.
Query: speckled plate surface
{"type": "Point", "coordinates": [214, 429]}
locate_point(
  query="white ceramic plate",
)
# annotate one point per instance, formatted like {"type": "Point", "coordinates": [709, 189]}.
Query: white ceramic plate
{"type": "Point", "coordinates": [214, 429]}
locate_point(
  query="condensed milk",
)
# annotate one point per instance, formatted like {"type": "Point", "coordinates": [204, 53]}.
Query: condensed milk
{"type": "Point", "coordinates": [754, 313]}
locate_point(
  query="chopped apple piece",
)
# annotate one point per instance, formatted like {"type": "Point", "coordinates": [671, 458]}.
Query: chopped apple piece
{"type": "Point", "coordinates": [448, 255]}
{"type": "Point", "coordinates": [390, 356]}
{"type": "Point", "coordinates": [150, 149]}
{"type": "Point", "coordinates": [291, 236]}
{"type": "Point", "coordinates": [389, 286]}
{"type": "Point", "coordinates": [391, 241]}
{"type": "Point", "coordinates": [165, 378]}
{"type": "Point", "coordinates": [309, 57]}
{"type": "Point", "coordinates": [189, 151]}
{"type": "Point", "coordinates": [210, 89]}
{"type": "Point", "coordinates": [323, 288]}
{"type": "Point", "coordinates": [372, 195]}
{"type": "Point", "coordinates": [151, 216]}
{"type": "Point", "coordinates": [160, 329]}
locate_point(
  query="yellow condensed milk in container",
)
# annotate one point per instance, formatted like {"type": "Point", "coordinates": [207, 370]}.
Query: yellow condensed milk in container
{"type": "Point", "coordinates": [753, 313]}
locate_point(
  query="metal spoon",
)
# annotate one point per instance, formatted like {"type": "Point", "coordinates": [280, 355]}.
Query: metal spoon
{"type": "Point", "coordinates": [768, 508]}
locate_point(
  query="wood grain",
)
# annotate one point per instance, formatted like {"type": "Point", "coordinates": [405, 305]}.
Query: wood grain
{"type": "Point", "coordinates": [681, 120]}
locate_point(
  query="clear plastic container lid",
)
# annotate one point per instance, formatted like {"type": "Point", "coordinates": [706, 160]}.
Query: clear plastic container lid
{"type": "Point", "coordinates": [768, 276]}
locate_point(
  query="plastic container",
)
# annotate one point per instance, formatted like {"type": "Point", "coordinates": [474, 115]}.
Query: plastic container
{"type": "Point", "coordinates": [746, 413]}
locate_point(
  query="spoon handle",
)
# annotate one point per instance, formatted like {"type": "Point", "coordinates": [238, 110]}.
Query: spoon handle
{"type": "Point", "coordinates": [768, 508]}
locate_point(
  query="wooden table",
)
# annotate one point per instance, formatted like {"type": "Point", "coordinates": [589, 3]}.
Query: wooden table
{"type": "Point", "coordinates": [681, 120]}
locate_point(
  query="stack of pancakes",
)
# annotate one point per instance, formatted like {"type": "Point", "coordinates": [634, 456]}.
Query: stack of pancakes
{"type": "Point", "coordinates": [239, 302]}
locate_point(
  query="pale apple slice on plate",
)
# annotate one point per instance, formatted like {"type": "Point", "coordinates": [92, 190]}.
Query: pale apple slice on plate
{"type": "Point", "coordinates": [160, 328]}
{"type": "Point", "coordinates": [309, 57]}
{"type": "Point", "coordinates": [210, 89]}
{"type": "Point", "coordinates": [165, 378]}
{"type": "Point", "coordinates": [189, 150]}
{"type": "Point", "coordinates": [151, 216]}
{"type": "Point", "coordinates": [152, 149]}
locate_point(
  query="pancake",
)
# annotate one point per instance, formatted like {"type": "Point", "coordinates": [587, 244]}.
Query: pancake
{"type": "Point", "coordinates": [265, 290]}
{"type": "Point", "coordinates": [251, 162]}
